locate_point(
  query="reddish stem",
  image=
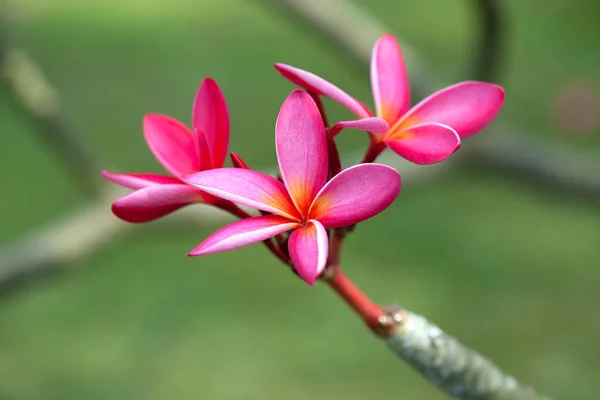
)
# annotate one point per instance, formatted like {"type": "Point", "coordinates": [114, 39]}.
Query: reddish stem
{"type": "Point", "coordinates": [232, 209]}
{"type": "Point", "coordinates": [374, 150]}
{"type": "Point", "coordinates": [335, 165]}
{"type": "Point", "coordinates": [343, 286]}
{"type": "Point", "coordinates": [335, 247]}
{"type": "Point", "coordinates": [276, 250]}
{"type": "Point", "coordinates": [370, 312]}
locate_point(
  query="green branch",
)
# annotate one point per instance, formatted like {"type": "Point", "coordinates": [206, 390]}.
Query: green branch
{"type": "Point", "coordinates": [451, 366]}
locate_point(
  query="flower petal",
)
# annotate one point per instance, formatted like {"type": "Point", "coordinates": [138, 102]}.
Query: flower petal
{"type": "Point", "coordinates": [139, 181]}
{"type": "Point", "coordinates": [247, 187]}
{"type": "Point", "coordinates": [425, 144]}
{"type": "Point", "coordinates": [309, 248]}
{"type": "Point", "coordinates": [172, 143]}
{"type": "Point", "coordinates": [237, 161]}
{"type": "Point", "coordinates": [210, 115]}
{"type": "Point", "coordinates": [355, 194]}
{"type": "Point", "coordinates": [466, 107]}
{"type": "Point", "coordinates": [312, 82]}
{"type": "Point", "coordinates": [389, 81]}
{"type": "Point", "coordinates": [371, 124]}
{"type": "Point", "coordinates": [301, 146]}
{"type": "Point", "coordinates": [155, 201]}
{"type": "Point", "coordinates": [204, 150]}
{"type": "Point", "coordinates": [242, 233]}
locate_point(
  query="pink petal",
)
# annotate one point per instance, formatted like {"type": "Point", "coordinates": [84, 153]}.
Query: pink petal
{"type": "Point", "coordinates": [237, 161]}
{"type": "Point", "coordinates": [155, 201]}
{"type": "Point", "coordinates": [312, 82]}
{"type": "Point", "coordinates": [466, 107]}
{"type": "Point", "coordinates": [309, 248]}
{"type": "Point", "coordinates": [425, 144]}
{"type": "Point", "coordinates": [247, 187]}
{"type": "Point", "coordinates": [355, 194]}
{"type": "Point", "coordinates": [389, 81]}
{"type": "Point", "coordinates": [242, 233]}
{"type": "Point", "coordinates": [371, 124]}
{"type": "Point", "coordinates": [210, 115]}
{"type": "Point", "coordinates": [301, 146]}
{"type": "Point", "coordinates": [172, 143]}
{"type": "Point", "coordinates": [204, 150]}
{"type": "Point", "coordinates": [139, 181]}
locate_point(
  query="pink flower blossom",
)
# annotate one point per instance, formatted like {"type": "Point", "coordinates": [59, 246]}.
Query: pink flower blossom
{"type": "Point", "coordinates": [427, 133]}
{"type": "Point", "coordinates": [304, 202]}
{"type": "Point", "coordinates": [180, 151]}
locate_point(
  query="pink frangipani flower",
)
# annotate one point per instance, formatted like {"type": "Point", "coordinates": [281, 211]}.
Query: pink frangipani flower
{"type": "Point", "coordinates": [180, 151]}
{"type": "Point", "coordinates": [305, 202]}
{"type": "Point", "coordinates": [427, 133]}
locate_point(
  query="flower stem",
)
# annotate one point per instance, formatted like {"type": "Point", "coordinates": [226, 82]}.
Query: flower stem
{"type": "Point", "coordinates": [370, 312]}
{"type": "Point", "coordinates": [335, 165]}
{"type": "Point", "coordinates": [374, 150]}
{"type": "Point", "coordinates": [373, 315]}
{"type": "Point", "coordinates": [276, 250]}
{"type": "Point", "coordinates": [232, 209]}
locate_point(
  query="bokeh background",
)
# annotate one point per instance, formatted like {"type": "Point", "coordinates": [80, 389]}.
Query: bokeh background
{"type": "Point", "coordinates": [509, 267]}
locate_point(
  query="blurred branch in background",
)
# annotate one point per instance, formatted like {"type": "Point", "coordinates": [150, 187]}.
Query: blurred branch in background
{"type": "Point", "coordinates": [350, 32]}
{"type": "Point", "coordinates": [64, 241]}
{"type": "Point", "coordinates": [35, 97]}
{"type": "Point", "coordinates": [488, 54]}
{"type": "Point", "coordinates": [565, 172]}
{"type": "Point", "coordinates": [57, 245]}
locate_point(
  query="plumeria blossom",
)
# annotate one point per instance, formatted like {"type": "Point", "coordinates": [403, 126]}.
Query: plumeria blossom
{"type": "Point", "coordinates": [181, 151]}
{"type": "Point", "coordinates": [304, 203]}
{"type": "Point", "coordinates": [427, 133]}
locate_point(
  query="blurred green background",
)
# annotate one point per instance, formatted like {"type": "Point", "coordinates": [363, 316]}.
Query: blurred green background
{"type": "Point", "coordinates": [510, 269]}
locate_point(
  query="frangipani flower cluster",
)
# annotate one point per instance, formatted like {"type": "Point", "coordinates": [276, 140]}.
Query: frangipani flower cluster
{"type": "Point", "coordinates": [305, 203]}
{"type": "Point", "coordinates": [314, 200]}
{"type": "Point", "coordinates": [426, 133]}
